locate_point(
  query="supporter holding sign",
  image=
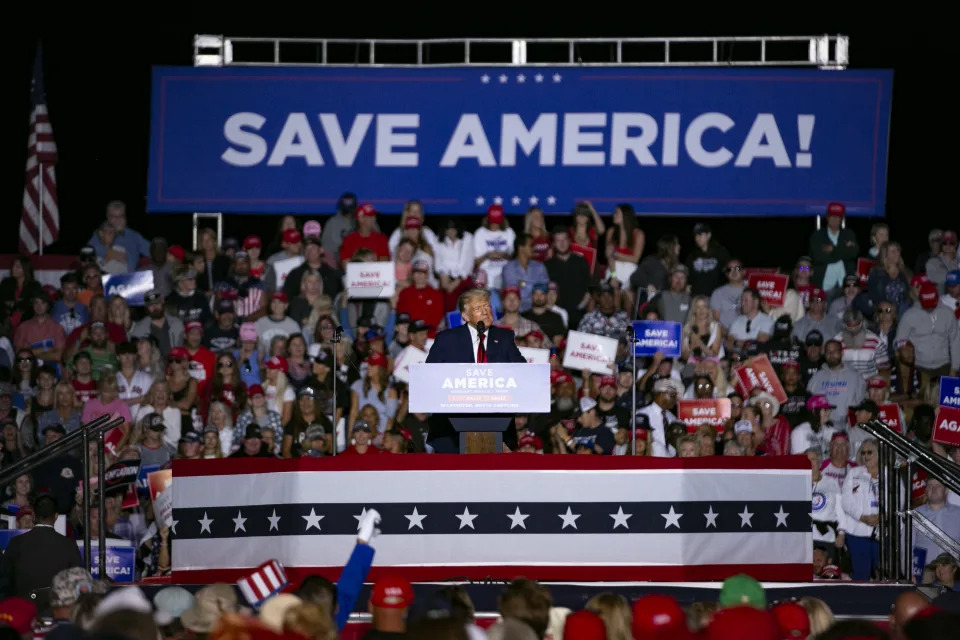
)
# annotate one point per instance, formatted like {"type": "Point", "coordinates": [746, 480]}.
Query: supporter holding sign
{"type": "Point", "coordinates": [947, 426]}
{"type": "Point", "coordinates": [758, 373]}
{"type": "Point", "coordinates": [590, 352]}
{"type": "Point", "coordinates": [713, 412]}
{"type": "Point", "coordinates": [370, 280]}
{"type": "Point", "coordinates": [657, 336]}
{"type": "Point", "coordinates": [772, 287]}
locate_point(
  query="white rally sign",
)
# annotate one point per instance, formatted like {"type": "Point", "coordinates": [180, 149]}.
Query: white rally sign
{"type": "Point", "coordinates": [370, 279]}
{"type": "Point", "coordinates": [591, 352]}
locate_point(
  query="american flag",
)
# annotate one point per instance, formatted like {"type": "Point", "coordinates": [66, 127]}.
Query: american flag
{"type": "Point", "coordinates": [479, 516]}
{"type": "Point", "coordinates": [41, 152]}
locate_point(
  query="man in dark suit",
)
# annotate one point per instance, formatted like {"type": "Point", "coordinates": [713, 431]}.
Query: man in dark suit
{"type": "Point", "coordinates": [33, 558]}
{"type": "Point", "coordinates": [466, 344]}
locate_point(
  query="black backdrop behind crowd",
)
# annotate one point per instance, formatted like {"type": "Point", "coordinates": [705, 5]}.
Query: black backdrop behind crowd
{"type": "Point", "coordinates": [98, 88]}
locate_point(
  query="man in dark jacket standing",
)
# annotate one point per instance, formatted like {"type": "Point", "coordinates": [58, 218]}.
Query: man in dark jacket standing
{"type": "Point", "coordinates": [834, 250]}
{"type": "Point", "coordinates": [33, 558]}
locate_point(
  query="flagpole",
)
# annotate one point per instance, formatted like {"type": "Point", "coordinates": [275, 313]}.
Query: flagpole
{"type": "Point", "coordinates": [40, 208]}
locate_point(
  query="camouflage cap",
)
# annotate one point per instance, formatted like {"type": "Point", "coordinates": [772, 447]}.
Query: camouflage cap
{"type": "Point", "coordinates": [69, 584]}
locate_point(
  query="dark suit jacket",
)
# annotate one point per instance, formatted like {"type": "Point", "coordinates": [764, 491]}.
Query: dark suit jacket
{"type": "Point", "coordinates": [32, 559]}
{"type": "Point", "coordinates": [847, 250]}
{"type": "Point", "coordinates": [454, 345]}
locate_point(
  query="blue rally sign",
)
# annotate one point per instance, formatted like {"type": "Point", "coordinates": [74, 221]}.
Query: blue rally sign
{"type": "Point", "coordinates": [707, 141]}
{"type": "Point", "coordinates": [657, 335]}
{"type": "Point", "coordinates": [129, 286]}
{"type": "Point", "coordinates": [950, 392]}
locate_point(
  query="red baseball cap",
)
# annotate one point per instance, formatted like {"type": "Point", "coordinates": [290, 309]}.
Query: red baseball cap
{"type": "Point", "coordinates": [392, 592]}
{"type": "Point", "coordinates": [18, 614]}
{"type": "Point", "coordinates": [658, 616]}
{"type": "Point", "coordinates": [278, 363]}
{"type": "Point", "coordinates": [817, 294]}
{"type": "Point", "coordinates": [743, 623]}
{"type": "Point", "coordinates": [792, 620]}
{"type": "Point", "coordinates": [948, 237]}
{"type": "Point", "coordinates": [608, 381]}
{"type": "Point", "coordinates": [366, 211]}
{"type": "Point", "coordinates": [178, 353]}
{"type": "Point", "coordinates": [584, 625]}
{"type": "Point", "coordinates": [876, 383]}
{"type": "Point", "coordinates": [641, 434]}
{"type": "Point", "coordinates": [791, 364]}
{"type": "Point", "coordinates": [412, 222]}
{"type": "Point", "coordinates": [929, 298]}
{"type": "Point", "coordinates": [279, 295]}
{"type": "Point", "coordinates": [836, 209]}
{"type": "Point", "coordinates": [839, 435]}
{"type": "Point", "coordinates": [534, 334]}
{"type": "Point", "coordinates": [532, 440]}
{"type": "Point", "coordinates": [508, 290]}
{"type": "Point", "coordinates": [562, 377]}
{"type": "Point", "coordinates": [191, 325]}
{"type": "Point", "coordinates": [177, 252]}
{"type": "Point", "coordinates": [255, 390]}
{"type": "Point", "coordinates": [291, 236]}
{"type": "Point", "coordinates": [377, 359]}
{"type": "Point", "coordinates": [919, 280]}
{"type": "Point", "coordinates": [252, 241]}
{"type": "Point", "coordinates": [495, 214]}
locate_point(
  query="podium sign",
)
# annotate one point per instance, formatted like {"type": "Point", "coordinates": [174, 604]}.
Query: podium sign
{"type": "Point", "coordinates": [480, 388]}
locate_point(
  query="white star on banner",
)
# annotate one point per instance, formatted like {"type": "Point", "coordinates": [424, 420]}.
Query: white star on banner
{"type": "Point", "coordinates": [517, 518]}
{"type": "Point", "coordinates": [711, 517]}
{"type": "Point", "coordinates": [521, 78]}
{"type": "Point", "coordinates": [205, 523]}
{"type": "Point", "coordinates": [557, 77]}
{"type": "Point", "coordinates": [569, 518]}
{"type": "Point", "coordinates": [503, 78]}
{"type": "Point", "coordinates": [673, 518]}
{"type": "Point", "coordinates": [620, 518]}
{"type": "Point", "coordinates": [416, 520]}
{"type": "Point", "coordinates": [534, 200]}
{"type": "Point", "coordinates": [466, 518]}
{"type": "Point", "coordinates": [173, 526]}
{"type": "Point", "coordinates": [485, 79]}
{"type": "Point", "coordinates": [238, 523]}
{"type": "Point", "coordinates": [515, 200]}
{"type": "Point", "coordinates": [360, 517]}
{"type": "Point", "coordinates": [538, 77]}
{"type": "Point", "coordinates": [551, 200]}
{"type": "Point", "coordinates": [498, 200]}
{"type": "Point", "coordinates": [274, 521]}
{"type": "Point", "coordinates": [313, 520]}
{"type": "Point", "coordinates": [781, 517]}
{"type": "Point", "coordinates": [745, 518]}
{"type": "Point", "coordinates": [480, 201]}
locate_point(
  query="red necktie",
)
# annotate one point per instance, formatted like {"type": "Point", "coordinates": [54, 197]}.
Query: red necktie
{"type": "Point", "coordinates": [481, 350]}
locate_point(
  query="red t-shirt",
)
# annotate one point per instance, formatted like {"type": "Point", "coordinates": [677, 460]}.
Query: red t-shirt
{"type": "Point", "coordinates": [376, 242]}
{"type": "Point", "coordinates": [115, 334]}
{"type": "Point", "coordinates": [422, 304]}
{"type": "Point", "coordinates": [85, 391]}
{"type": "Point", "coordinates": [352, 451]}
{"type": "Point", "coordinates": [541, 248]}
{"type": "Point", "coordinates": [203, 374]}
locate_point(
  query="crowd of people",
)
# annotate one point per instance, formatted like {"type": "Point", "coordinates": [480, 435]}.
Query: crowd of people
{"type": "Point", "coordinates": [253, 347]}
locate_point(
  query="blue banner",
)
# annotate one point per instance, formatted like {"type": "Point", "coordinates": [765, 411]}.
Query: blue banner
{"type": "Point", "coordinates": [130, 286]}
{"type": "Point", "coordinates": [657, 335]}
{"type": "Point", "coordinates": [454, 319]}
{"type": "Point", "coordinates": [121, 562]}
{"type": "Point", "coordinates": [668, 141]}
{"type": "Point", "coordinates": [950, 392]}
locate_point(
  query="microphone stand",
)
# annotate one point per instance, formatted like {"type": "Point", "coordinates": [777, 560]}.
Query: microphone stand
{"type": "Point", "coordinates": [632, 338]}
{"type": "Point", "coordinates": [337, 332]}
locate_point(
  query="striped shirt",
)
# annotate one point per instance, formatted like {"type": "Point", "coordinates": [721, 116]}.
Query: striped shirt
{"type": "Point", "coordinates": [868, 359]}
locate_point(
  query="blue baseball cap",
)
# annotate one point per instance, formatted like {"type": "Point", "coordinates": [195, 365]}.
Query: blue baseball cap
{"type": "Point", "coordinates": [953, 278]}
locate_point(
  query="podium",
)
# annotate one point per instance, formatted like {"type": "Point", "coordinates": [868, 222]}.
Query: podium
{"type": "Point", "coordinates": [480, 399]}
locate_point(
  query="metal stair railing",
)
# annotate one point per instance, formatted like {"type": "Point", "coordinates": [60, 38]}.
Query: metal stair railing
{"type": "Point", "coordinates": [96, 428]}
{"type": "Point", "coordinates": [898, 459]}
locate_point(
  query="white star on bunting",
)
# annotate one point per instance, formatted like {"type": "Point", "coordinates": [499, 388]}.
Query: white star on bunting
{"type": "Point", "coordinates": [672, 518]}
{"type": "Point", "coordinates": [313, 520]}
{"type": "Point", "coordinates": [711, 517]}
{"type": "Point", "coordinates": [781, 517]}
{"type": "Point", "coordinates": [498, 200]}
{"type": "Point", "coordinates": [517, 518]}
{"type": "Point", "coordinates": [416, 520]}
{"type": "Point", "coordinates": [466, 518]}
{"type": "Point", "coordinates": [620, 518]}
{"type": "Point", "coordinates": [534, 200]}
{"type": "Point", "coordinates": [521, 78]}
{"type": "Point", "coordinates": [238, 523]}
{"type": "Point", "coordinates": [205, 523]}
{"type": "Point", "coordinates": [515, 200]}
{"type": "Point", "coordinates": [745, 518]}
{"type": "Point", "coordinates": [538, 77]}
{"type": "Point", "coordinates": [480, 201]}
{"type": "Point", "coordinates": [503, 78]}
{"type": "Point", "coordinates": [557, 77]}
{"type": "Point", "coordinates": [569, 518]}
{"type": "Point", "coordinates": [173, 526]}
{"type": "Point", "coordinates": [485, 79]}
{"type": "Point", "coordinates": [551, 200]}
{"type": "Point", "coordinates": [274, 521]}
{"type": "Point", "coordinates": [363, 512]}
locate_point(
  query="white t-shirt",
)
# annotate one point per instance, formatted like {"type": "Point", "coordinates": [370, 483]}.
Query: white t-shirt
{"type": "Point", "coordinates": [455, 259]}
{"type": "Point", "coordinates": [394, 241]}
{"type": "Point", "coordinates": [135, 388]}
{"type": "Point", "coordinates": [762, 323]}
{"type": "Point", "coordinates": [804, 437]}
{"type": "Point", "coordinates": [825, 507]}
{"type": "Point", "coordinates": [171, 418]}
{"type": "Point", "coordinates": [485, 241]}
{"type": "Point", "coordinates": [270, 392]}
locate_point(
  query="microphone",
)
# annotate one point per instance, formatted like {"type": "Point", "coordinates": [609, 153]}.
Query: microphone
{"type": "Point", "coordinates": [481, 328]}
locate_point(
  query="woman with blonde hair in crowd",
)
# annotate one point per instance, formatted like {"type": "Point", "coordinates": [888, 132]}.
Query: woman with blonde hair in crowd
{"type": "Point", "coordinates": [221, 417]}
{"type": "Point", "coordinates": [702, 337]}
{"type": "Point", "coordinates": [614, 610]}
{"type": "Point", "coordinates": [309, 297]}
{"type": "Point", "coordinates": [158, 401]}
{"type": "Point", "coordinates": [280, 395]}
{"type": "Point", "coordinates": [821, 617]}
{"type": "Point", "coordinates": [212, 447]}
{"type": "Point", "coordinates": [118, 312]}
{"type": "Point", "coordinates": [412, 209]}
{"type": "Point", "coordinates": [149, 358]}
{"type": "Point", "coordinates": [706, 437]}
{"type": "Point", "coordinates": [535, 224]}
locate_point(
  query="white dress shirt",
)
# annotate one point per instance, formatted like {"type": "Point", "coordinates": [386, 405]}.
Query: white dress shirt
{"type": "Point", "coordinates": [658, 435]}
{"type": "Point", "coordinates": [475, 341]}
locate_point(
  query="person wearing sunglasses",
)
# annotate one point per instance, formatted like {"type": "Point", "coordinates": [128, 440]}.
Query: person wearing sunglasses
{"type": "Point", "coordinates": [834, 250]}
{"type": "Point", "coordinates": [725, 300]}
{"type": "Point", "coordinates": [860, 519]}
{"type": "Point", "coordinates": [938, 266]}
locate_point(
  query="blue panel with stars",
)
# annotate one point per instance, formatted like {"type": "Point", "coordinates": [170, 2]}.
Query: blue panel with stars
{"type": "Point", "coordinates": [668, 141]}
